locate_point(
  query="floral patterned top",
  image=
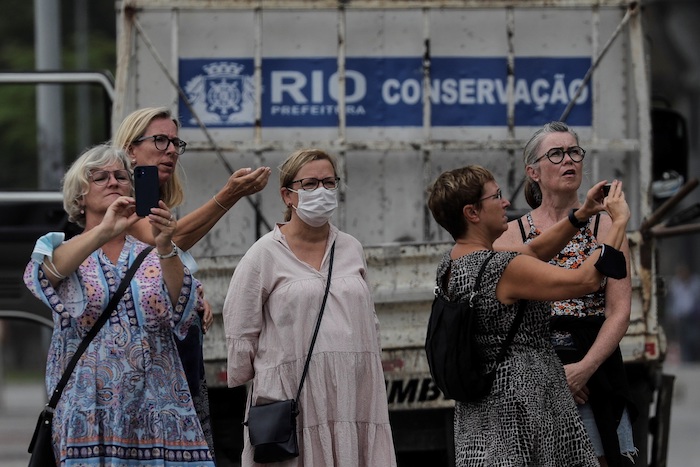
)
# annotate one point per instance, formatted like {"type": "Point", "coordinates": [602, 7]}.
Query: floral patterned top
{"type": "Point", "coordinates": [127, 402]}
{"type": "Point", "coordinates": [580, 247]}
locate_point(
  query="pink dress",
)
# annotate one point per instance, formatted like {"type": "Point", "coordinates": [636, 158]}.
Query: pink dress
{"type": "Point", "coordinates": [269, 316]}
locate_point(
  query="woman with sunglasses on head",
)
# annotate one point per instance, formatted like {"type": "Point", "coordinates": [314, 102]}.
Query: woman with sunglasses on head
{"type": "Point", "coordinates": [126, 401]}
{"type": "Point", "coordinates": [585, 331]}
{"type": "Point", "coordinates": [150, 137]}
{"type": "Point", "coordinates": [270, 314]}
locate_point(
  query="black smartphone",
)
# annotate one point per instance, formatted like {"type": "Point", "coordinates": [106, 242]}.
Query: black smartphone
{"type": "Point", "coordinates": [606, 189]}
{"type": "Point", "coordinates": [146, 188]}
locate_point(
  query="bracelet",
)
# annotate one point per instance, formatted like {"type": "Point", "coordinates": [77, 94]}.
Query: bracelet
{"type": "Point", "coordinates": [175, 252]}
{"type": "Point", "coordinates": [575, 222]}
{"type": "Point", "coordinates": [220, 205]}
{"type": "Point", "coordinates": [52, 268]}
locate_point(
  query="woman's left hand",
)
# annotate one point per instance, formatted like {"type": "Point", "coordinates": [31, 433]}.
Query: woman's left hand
{"type": "Point", "coordinates": [207, 316]}
{"type": "Point", "coordinates": [577, 375]}
{"type": "Point", "coordinates": [163, 225]}
{"type": "Point", "coordinates": [594, 200]}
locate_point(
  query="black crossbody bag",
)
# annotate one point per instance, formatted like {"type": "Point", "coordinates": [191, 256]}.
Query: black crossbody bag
{"type": "Point", "coordinates": [272, 427]}
{"type": "Point", "coordinates": [40, 446]}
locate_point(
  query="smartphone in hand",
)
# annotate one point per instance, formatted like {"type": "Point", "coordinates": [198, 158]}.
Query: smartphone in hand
{"type": "Point", "coordinates": [147, 189]}
{"type": "Point", "coordinates": [606, 189]}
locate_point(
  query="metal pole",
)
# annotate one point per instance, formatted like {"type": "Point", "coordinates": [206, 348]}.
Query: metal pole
{"type": "Point", "coordinates": [49, 102]}
{"type": "Point", "coordinates": [83, 92]}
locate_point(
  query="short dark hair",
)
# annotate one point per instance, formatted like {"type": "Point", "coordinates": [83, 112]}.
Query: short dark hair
{"type": "Point", "coordinates": [453, 190]}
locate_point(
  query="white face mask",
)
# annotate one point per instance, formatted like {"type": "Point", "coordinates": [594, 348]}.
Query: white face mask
{"type": "Point", "coordinates": [316, 207]}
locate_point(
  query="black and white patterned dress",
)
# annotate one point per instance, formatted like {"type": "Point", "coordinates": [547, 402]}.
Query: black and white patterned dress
{"type": "Point", "coordinates": [529, 418]}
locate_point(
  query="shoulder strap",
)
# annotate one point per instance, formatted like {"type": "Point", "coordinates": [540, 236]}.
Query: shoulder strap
{"type": "Point", "coordinates": [511, 333]}
{"type": "Point", "coordinates": [516, 321]}
{"type": "Point", "coordinates": [96, 327]}
{"type": "Point", "coordinates": [522, 229]}
{"type": "Point", "coordinates": [596, 225]}
{"type": "Point", "coordinates": [477, 282]}
{"type": "Point", "coordinates": [318, 322]}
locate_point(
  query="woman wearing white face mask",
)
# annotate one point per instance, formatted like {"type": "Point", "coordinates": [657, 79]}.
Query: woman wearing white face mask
{"type": "Point", "coordinates": [270, 314]}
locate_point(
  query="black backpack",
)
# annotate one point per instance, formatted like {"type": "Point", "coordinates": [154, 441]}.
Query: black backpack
{"type": "Point", "coordinates": [454, 357]}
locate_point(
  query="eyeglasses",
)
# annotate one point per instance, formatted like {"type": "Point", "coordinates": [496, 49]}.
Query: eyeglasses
{"type": "Point", "coordinates": [498, 195]}
{"type": "Point", "coordinates": [101, 177]}
{"type": "Point", "coordinates": [556, 155]}
{"type": "Point", "coordinates": [162, 142]}
{"type": "Point", "coordinates": [310, 184]}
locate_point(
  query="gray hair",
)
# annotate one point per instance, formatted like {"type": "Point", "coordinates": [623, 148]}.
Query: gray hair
{"type": "Point", "coordinates": [533, 194]}
{"type": "Point", "coordinates": [77, 179]}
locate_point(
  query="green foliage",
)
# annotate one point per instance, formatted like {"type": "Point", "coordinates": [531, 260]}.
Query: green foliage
{"type": "Point", "coordinates": [18, 130]}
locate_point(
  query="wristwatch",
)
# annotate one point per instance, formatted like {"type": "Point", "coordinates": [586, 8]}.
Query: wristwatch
{"type": "Point", "coordinates": [575, 222]}
{"type": "Point", "coordinates": [175, 252]}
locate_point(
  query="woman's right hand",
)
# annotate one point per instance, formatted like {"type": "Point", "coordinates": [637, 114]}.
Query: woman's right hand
{"type": "Point", "coordinates": [120, 215]}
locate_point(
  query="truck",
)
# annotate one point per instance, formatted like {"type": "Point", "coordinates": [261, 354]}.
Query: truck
{"type": "Point", "coordinates": [400, 91]}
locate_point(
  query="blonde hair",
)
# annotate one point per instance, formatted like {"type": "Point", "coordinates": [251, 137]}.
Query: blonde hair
{"type": "Point", "coordinates": [453, 190]}
{"type": "Point", "coordinates": [76, 182]}
{"type": "Point", "coordinates": [132, 128]}
{"type": "Point", "coordinates": [293, 164]}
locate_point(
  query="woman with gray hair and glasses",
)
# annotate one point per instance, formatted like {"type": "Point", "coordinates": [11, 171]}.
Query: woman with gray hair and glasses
{"type": "Point", "coordinates": [126, 402]}
{"type": "Point", "coordinates": [585, 331]}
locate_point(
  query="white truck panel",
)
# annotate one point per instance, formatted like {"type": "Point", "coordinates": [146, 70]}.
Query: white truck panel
{"type": "Point", "coordinates": [427, 89]}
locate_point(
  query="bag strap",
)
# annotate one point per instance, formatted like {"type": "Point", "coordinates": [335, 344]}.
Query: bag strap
{"type": "Point", "coordinates": [522, 229]}
{"type": "Point", "coordinates": [477, 282]}
{"type": "Point", "coordinates": [318, 322]}
{"type": "Point", "coordinates": [511, 333]}
{"type": "Point", "coordinates": [96, 327]}
{"type": "Point", "coordinates": [518, 317]}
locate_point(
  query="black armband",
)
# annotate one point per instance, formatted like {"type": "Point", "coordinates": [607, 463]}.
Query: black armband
{"type": "Point", "coordinates": [575, 222]}
{"type": "Point", "coordinates": [611, 262]}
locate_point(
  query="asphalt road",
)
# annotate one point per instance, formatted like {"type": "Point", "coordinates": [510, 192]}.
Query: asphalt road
{"type": "Point", "coordinates": [20, 405]}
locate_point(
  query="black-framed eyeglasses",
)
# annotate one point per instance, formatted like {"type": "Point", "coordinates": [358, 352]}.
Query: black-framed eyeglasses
{"type": "Point", "coordinates": [310, 184]}
{"type": "Point", "coordinates": [498, 195]}
{"type": "Point", "coordinates": [101, 177]}
{"type": "Point", "coordinates": [556, 155]}
{"type": "Point", "coordinates": [162, 142]}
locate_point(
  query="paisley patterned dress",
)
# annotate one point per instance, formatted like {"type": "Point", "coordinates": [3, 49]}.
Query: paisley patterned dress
{"type": "Point", "coordinates": [127, 402]}
{"type": "Point", "coordinates": [529, 418]}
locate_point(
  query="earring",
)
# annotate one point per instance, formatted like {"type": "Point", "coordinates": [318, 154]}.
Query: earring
{"type": "Point", "coordinates": [133, 162]}
{"type": "Point", "coordinates": [82, 211]}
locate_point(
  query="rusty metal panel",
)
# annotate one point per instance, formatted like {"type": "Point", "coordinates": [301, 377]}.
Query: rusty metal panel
{"type": "Point", "coordinates": [366, 4]}
{"type": "Point", "coordinates": [402, 279]}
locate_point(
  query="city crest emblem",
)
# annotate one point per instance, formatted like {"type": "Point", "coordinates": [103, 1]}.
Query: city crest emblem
{"type": "Point", "coordinates": [222, 95]}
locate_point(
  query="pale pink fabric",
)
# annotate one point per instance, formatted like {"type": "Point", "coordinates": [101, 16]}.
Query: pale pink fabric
{"type": "Point", "coordinates": [269, 316]}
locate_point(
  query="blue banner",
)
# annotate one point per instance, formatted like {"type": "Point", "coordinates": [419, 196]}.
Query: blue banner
{"type": "Point", "coordinates": [384, 91]}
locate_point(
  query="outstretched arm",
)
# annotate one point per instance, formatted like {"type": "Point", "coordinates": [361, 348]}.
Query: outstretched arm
{"type": "Point", "coordinates": [531, 279]}
{"type": "Point", "coordinates": [554, 239]}
{"type": "Point", "coordinates": [195, 225]}
{"type": "Point", "coordinates": [192, 227]}
{"type": "Point", "coordinates": [67, 257]}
